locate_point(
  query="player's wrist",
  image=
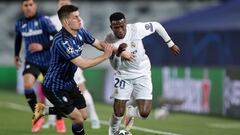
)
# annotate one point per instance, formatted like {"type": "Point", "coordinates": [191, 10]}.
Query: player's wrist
{"type": "Point", "coordinates": [16, 58]}
{"type": "Point", "coordinates": [105, 56]}
{"type": "Point", "coordinates": [170, 43]}
{"type": "Point", "coordinates": [120, 52]}
{"type": "Point", "coordinates": [122, 47]}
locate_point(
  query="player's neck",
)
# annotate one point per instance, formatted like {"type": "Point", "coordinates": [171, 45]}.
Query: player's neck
{"type": "Point", "coordinates": [71, 31]}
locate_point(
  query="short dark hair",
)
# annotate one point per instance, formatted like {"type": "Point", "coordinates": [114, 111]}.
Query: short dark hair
{"type": "Point", "coordinates": [116, 16]}
{"type": "Point", "coordinates": [26, 0]}
{"type": "Point", "coordinates": [65, 10]}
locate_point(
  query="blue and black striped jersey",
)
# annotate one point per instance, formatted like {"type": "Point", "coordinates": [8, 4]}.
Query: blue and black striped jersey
{"type": "Point", "coordinates": [65, 47]}
{"type": "Point", "coordinates": [37, 29]}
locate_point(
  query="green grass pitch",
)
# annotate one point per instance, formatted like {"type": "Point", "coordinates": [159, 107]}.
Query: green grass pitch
{"type": "Point", "coordinates": [15, 119]}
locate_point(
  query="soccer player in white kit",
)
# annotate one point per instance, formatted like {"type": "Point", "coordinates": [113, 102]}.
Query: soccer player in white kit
{"type": "Point", "coordinates": [78, 78]}
{"type": "Point", "coordinates": [132, 78]}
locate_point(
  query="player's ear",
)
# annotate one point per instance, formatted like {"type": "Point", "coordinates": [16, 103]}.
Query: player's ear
{"type": "Point", "coordinates": [65, 21]}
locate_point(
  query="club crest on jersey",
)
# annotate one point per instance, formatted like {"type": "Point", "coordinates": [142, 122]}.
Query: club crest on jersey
{"type": "Point", "coordinates": [70, 50]}
{"type": "Point", "coordinates": [133, 45]}
{"type": "Point", "coordinates": [35, 23]}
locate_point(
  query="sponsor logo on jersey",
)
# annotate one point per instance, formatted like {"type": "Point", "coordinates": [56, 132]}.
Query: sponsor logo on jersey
{"type": "Point", "coordinates": [32, 33]}
{"type": "Point", "coordinates": [79, 49]}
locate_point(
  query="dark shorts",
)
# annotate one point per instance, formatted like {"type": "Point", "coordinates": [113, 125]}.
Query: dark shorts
{"type": "Point", "coordinates": [33, 69]}
{"type": "Point", "coordinates": [66, 100]}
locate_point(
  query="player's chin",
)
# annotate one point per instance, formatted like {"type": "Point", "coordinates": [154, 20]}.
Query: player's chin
{"type": "Point", "coordinates": [77, 29]}
{"type": "Point", "coordinates": [120, 36]}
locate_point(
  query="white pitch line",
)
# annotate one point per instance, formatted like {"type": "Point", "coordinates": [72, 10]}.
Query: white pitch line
{"type": "Point", "coordinates": [224, 125]}
{"type": "Point", "coordinates": [103, 122]}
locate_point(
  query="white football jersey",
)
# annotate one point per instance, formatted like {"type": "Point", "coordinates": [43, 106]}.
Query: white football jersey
{"type": "Point", "coordinates": [55, 20]}
{"type": "Point", "coordinates": [135, 33]}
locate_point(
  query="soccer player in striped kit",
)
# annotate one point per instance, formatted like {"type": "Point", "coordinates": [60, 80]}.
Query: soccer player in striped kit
{"type": "Point", "coordinates": [36, 30]}
{"type": "Point", "coordinates": [59, 86]}
{"type": "Point", "coordinates": [79, 79]}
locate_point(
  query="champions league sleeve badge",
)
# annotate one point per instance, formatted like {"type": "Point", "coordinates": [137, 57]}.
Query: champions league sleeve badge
{"type": "Point", "coordinates": [70, 50]}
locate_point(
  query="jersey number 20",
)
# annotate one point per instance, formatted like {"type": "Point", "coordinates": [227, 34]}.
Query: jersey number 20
{"type": "Point", "coordinates": [119, 83]}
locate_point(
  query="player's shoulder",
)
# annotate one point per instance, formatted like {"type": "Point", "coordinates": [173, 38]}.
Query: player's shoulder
{"type": "Point", "coordinates": [42, 17]}
{"type": "Point", "coordinates": [21, 19]}
{"type": "Point", "coordinates": [110, 38]}
{"type": "Point", "coordinates": [145, 24]}
{"type": "Point", "coordinates": [21, 22]}
{"type": "Point", "coordinates": [57, 38]}
{"type": "Point", "coordinates": [53, 17]}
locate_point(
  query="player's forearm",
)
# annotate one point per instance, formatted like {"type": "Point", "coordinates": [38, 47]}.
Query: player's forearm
{"type": "Point", "coordinates": [163, 33]}
{"type": "Point", "coordinates": [94, 62]}
{"type": "Point", "coordinates": [86, 63]}
{"type": "Point", "coordinates": [100, 45]}
{"type": "Point", "coordinates": [18, 44]}
{"type": "Point", "coordinates": [47, 46]}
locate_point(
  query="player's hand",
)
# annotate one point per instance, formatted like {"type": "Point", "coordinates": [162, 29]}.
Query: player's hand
{"type": "Point", "coordinates": [127, 55]}
{"type": "Point", "coordinates": [17, 62]}
{"type": "Point", "coordinates": [108, 50]}
{"type": "Point", "coordinates": [35, 47]}
{"type": "Point", "coordinates": [175, 50]}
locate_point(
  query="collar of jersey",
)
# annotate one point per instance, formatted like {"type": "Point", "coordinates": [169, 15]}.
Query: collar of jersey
{"type": "Point", "coordinates": [65, 32]}
{"type": "Point", "coordinates": [35, 16]}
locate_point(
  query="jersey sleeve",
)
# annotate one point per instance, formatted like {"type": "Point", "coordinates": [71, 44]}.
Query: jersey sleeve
{"type": "Point", "coordinates": [145, 29]}
{"type": "Point", "coordinates": [18, 39]}
{"type": "Point", "coordinates": [110, 39]}
{"type": "Point", "coordinates": [87, 37]}
{"type": "Point", "coordinates": [49, 26]}
{"type": "Point", "coordinates": [67, 50]}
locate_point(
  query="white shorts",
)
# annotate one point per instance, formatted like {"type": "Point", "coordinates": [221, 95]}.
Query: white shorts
{"type": "Point", "coordinates": [78, 76]}
{"type": "Point", "coordinates": [139, 88]}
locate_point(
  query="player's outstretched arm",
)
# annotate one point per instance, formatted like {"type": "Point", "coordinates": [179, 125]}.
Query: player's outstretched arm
{"type": "Point", "coordinates": [86, 63]}
{"type": "Point", "coordinates": [163, 33]}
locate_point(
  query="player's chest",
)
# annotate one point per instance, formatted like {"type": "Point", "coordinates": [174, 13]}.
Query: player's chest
{"type": "Point", "coordinates": [31, 28]}
{"type": "Point", "coordinates": [76, 44]}
{"type": "Point", "coordinates": [133, 45]}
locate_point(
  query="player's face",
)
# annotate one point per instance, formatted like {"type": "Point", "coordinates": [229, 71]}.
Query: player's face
{"type": "Point", "coordinates": [63, 2]}
{"type": "Point", "coordinates": [29, 8]}
{"type": "Point", "coordinates": [119, 28]}
{"type": "Point", "coordinates": [74, 21]}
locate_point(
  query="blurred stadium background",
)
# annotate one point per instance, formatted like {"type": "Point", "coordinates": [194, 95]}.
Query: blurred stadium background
{"type": "Point", "coordinates": [205, 77]}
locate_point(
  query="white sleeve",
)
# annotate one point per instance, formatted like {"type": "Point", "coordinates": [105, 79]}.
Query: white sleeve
{"type": "Point", "coordinates": [56, 22]}
{"type": "Point", "coordinates": [78, 76]}
{"type": "Point", "coordinates": [145, 29]}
